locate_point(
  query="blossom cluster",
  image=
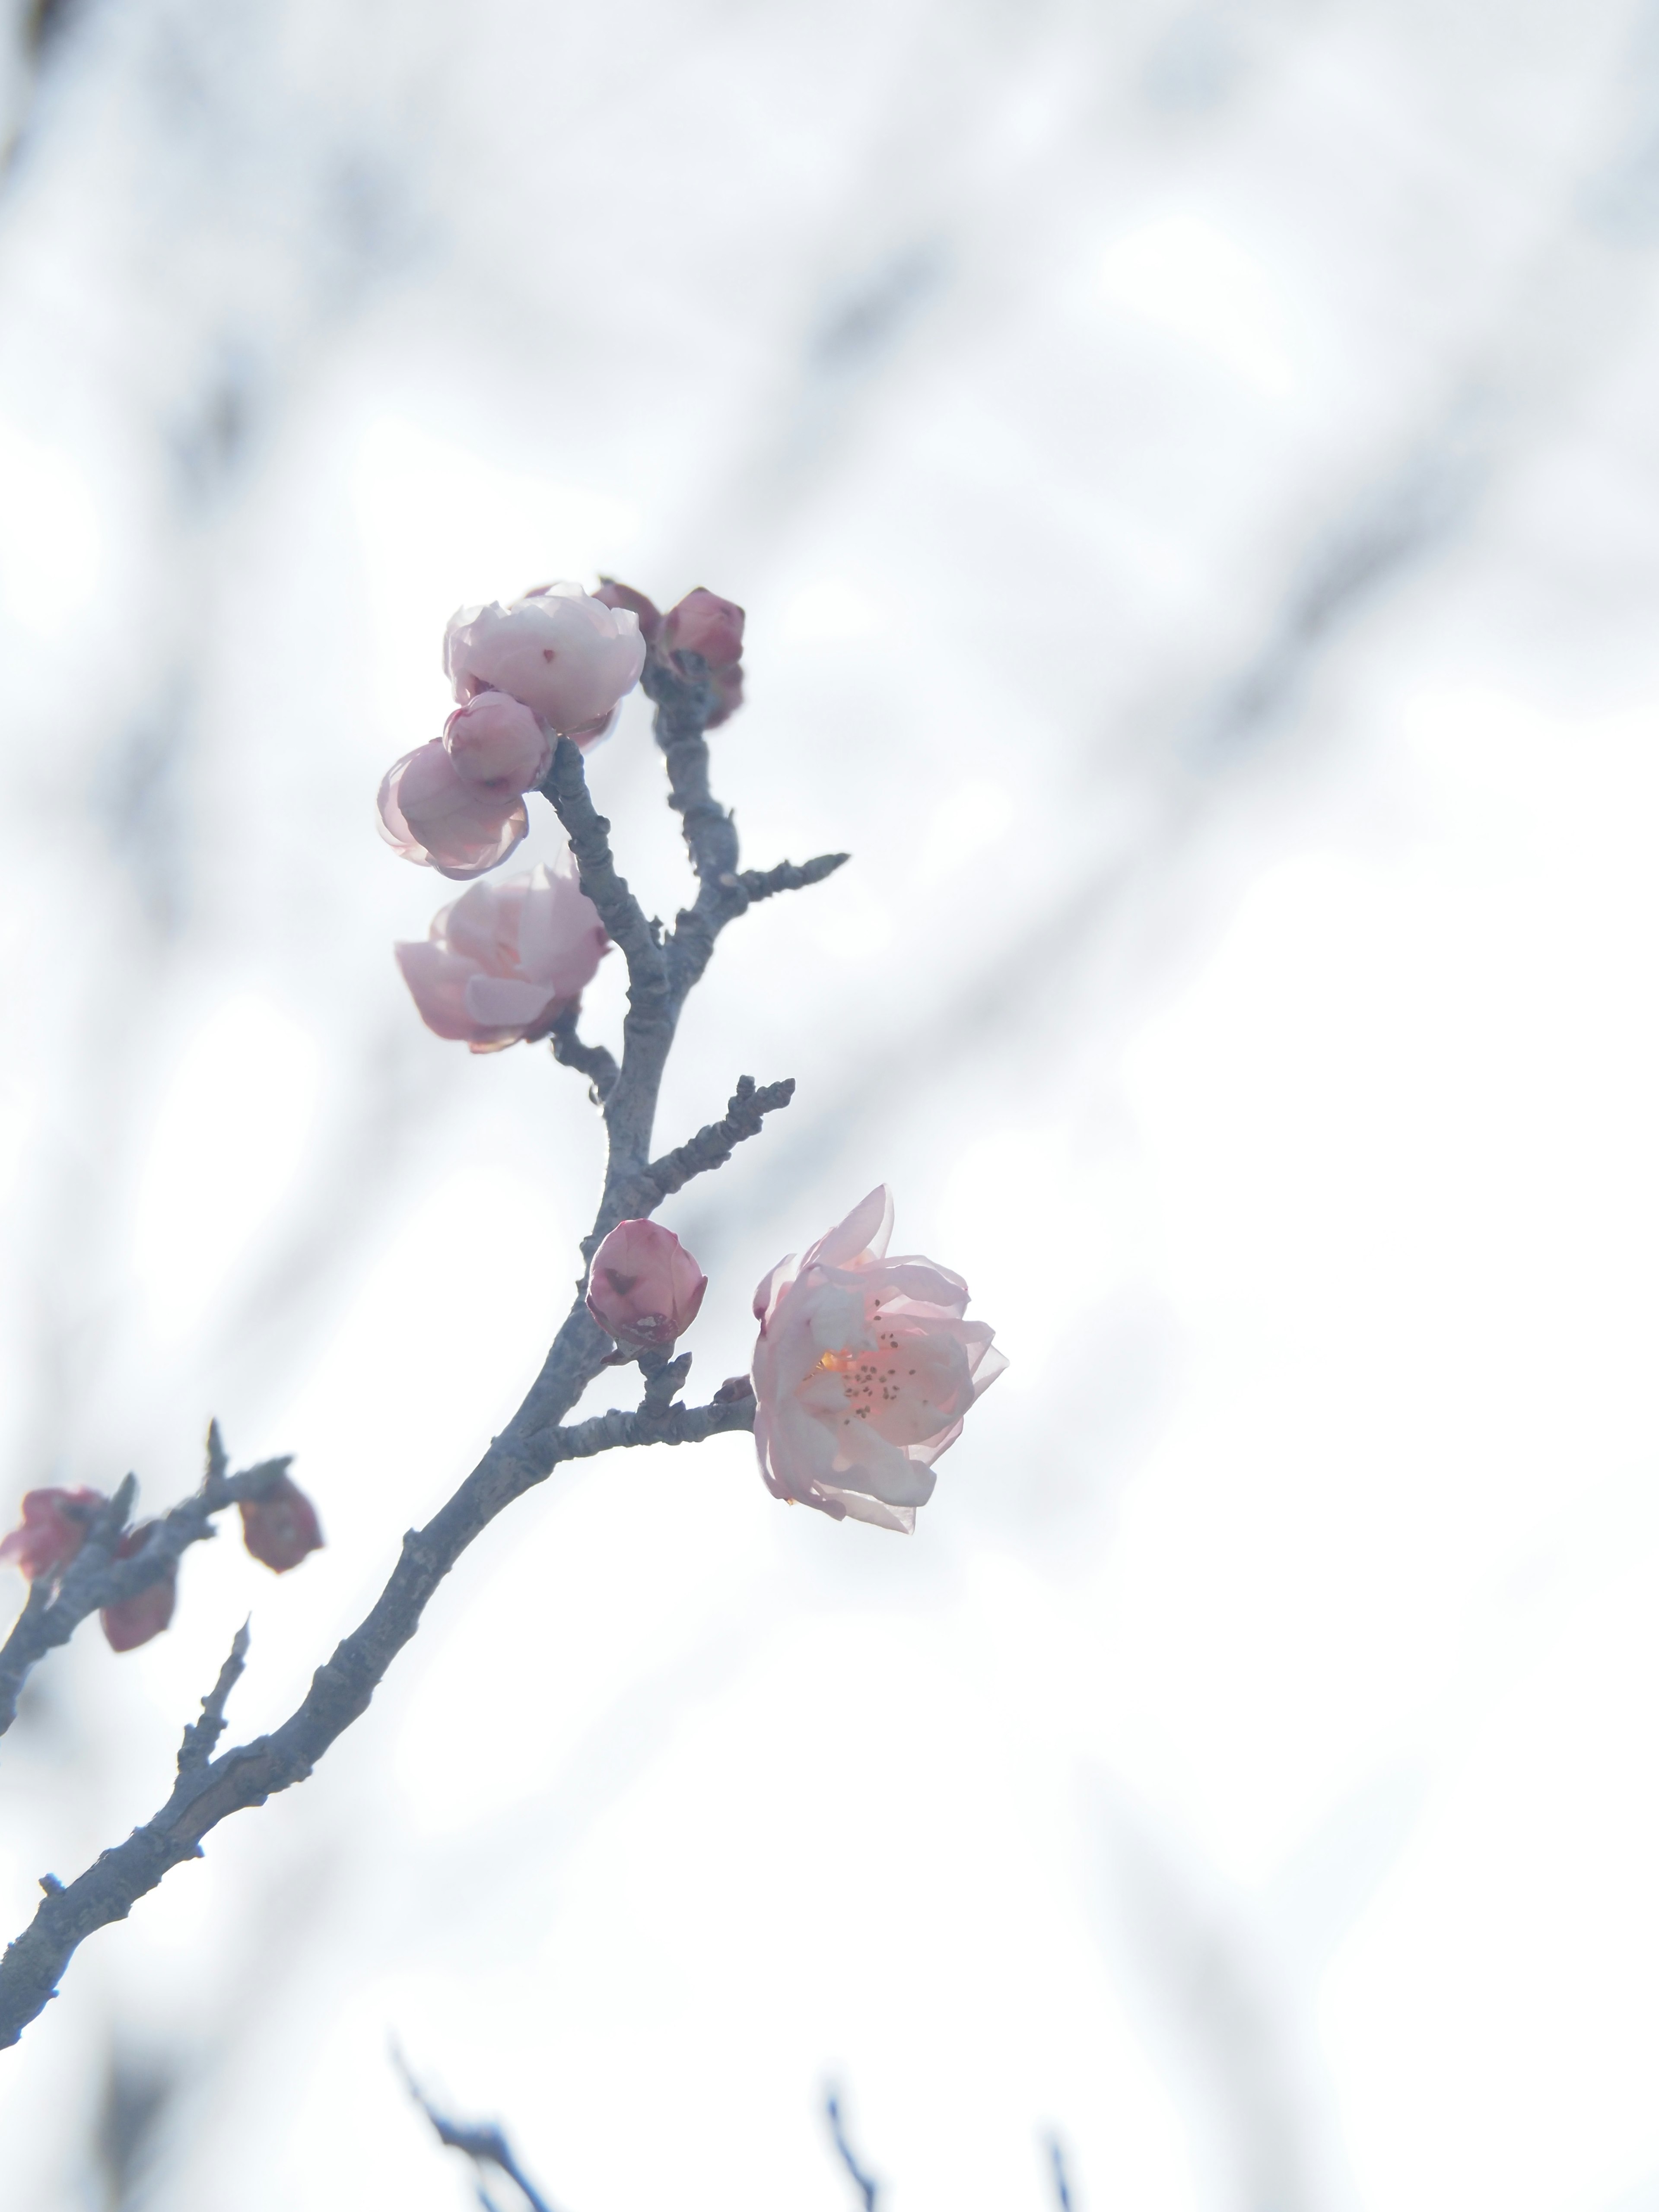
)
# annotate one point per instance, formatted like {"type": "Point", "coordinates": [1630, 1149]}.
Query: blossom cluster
{"type": "Point", "coordinates": [279, 1529]}
{"type": "Point", "coordinates": [865, 1366]}
{"type": "Point", "coordinates": [506, 960]}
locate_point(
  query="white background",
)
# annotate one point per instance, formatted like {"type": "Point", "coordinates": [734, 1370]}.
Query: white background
{"type": "Point", "coordinates": [1192, 475]}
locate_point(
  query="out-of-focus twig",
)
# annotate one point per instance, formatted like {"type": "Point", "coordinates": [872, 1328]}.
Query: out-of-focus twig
{"type": "Point", "coordinates": [865, 2183]}
{"type": "Point", "coordinates": [482, 2141]}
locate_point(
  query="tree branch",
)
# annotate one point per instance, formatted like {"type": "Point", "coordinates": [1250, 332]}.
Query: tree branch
{"type": "Point", "coordinates": [867, 2185]}
{"type": "Point", "coordinates": [95, 1578]}
{"type": "Point", "coordinates": [207, 1792]}
{"type": "Point", "coordinates": [532, 1443]}
{"type": "Point", "coordinates": [482, 2141]}
{"type": "Point", "coordinates": [712, 1146]}
{"type": "Point", "coordinates": [200, 1736]}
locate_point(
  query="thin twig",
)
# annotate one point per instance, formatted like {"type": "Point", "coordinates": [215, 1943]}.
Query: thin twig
{"type": "Point", "coordinates": [1057, 2165]}
{"type": "Point", "coordinates": [712, 1146]}
{"type": "Point", "coordinates": [95, 1578]}
{"type": "Point", "coordinates": [200, 1736]}
{"type": "Point", "coordinates": [484, 2141]}
{"type": "Point", "coordinates": [868, 2186]}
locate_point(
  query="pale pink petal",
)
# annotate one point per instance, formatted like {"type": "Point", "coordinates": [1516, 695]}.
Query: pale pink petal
{"type": "Point", "coordinates": [437, 979]}
{"type": "Point", "coordinates": [433, 817]}
{"type": "Point", "coordinates": [863, 1235]}
{"type": "Point", "coordinates": [500, 1002]}
{"type": "Point", "coordinates": [566, 657]}
{"type": "Point", "coordinates": [496, 740]}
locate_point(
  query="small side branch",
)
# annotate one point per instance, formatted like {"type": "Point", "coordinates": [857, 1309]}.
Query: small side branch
{"type": "Point", "coordinates": [1061, 2178]}
{"type": "Point", "coordinates": [200, 1736]}
{"type": "Point", "coordinates": [712, 1146]}
{"type": "Point", "coordinates": [96, 1578]}
{"type": "Point", "coordinates": [482, 2141]}
{"type": "Point", "coordinates": [789, 875]}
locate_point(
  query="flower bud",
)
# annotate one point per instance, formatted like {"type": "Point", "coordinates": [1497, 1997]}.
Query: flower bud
{"type": "Point", "coordinates": [433, 816]}
{"type": "Point", "coordinates": [645, 1287]}
{"type": "Point", "coordinates": [133, 1620]}
{"type": "Point", "coordinates": [282, 1527]}
{"type": "Point", "coordinates": [703, 623]}
{"type": "Point", "coordinates": [494, 740]}
{"type": "Point", "coordinates": [53, 1530]}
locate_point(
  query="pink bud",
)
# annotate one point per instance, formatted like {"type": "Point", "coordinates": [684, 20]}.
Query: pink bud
{"type": "Point", "coordinates": [567, 656]}
{"type": "Point", "coordinates": [494, 740]}
{"type": "Point", "coordinates": [282, 1527]}
{"type": "Point", "coordinates": [133, 1620]}
{"type": "Point", "coordinates": [53, 1528]}
{"type": "Point", "coordinates": [432, 815]}
{"type": "Point", "coordinates": [645, 1287]}
{"type": "Point", "coordinates": [706, 623]}
{"type": "Point", "coordinates": [507, 959]}
{"type": "Point", "coordinates": [624, 595]}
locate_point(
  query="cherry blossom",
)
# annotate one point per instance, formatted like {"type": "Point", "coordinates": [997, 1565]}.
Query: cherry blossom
{"type": "Point", "coordinates": [53, 1530]}
{"type": "Point", "coordinates": [507, 959]}
{"type": "Point", "coordinates": [567, 656]}
{"type": "Point", "coordinates": [645, 1287]}
{"type": "Point", "coordinates": [863, 1372]}
{"type": "Point", "coordinates": [281, 1528]}
{"type": "Point", "coordinates": [432, 814]}
{"type": "Point", "coordinates": [133, 1620]}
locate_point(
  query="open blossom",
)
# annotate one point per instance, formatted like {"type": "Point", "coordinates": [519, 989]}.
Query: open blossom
{"type": "Point", "coordinates": [507, 959]}
{"type": "Point", "coordinates": [433, 815]}
{"type": "Point", "coordinates": [645, 1287]}
{"type": "Point", "coordinates": [53, 1528]}
{"type": "Point", "coordinates": [133, 1620]}
{"type": "Point", "coordinates": [281, 1528]}
{"type": "Point", "coordinates": [863, 1372]}
{"type": "Point", "coordinates": [568, 657]}
{"type": "Point", "coordinates": [701, 622]}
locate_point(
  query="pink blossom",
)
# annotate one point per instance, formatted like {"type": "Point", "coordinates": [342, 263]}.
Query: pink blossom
{"type": "Point", "coordinates": [495, 740]}
{"type": "Point", "coordinates": [624, 595]}
{"type": "Point", "coordinates": [282, 1527]}
{"type": "Point", "coordinates": [54, 1527]}
{"type": "Point", "coordinates": [863, 1372]}
{"type": "Point", "coordinates": [507, 959]}
{"type": "Point", "coordinates": [432, 815]}
{"type": "Point", "coordinates": [566, 656]}
{"type": "Point", "coordinates": [644, 1288]}
{"type": "Point", "coordinates": [133, 1620]}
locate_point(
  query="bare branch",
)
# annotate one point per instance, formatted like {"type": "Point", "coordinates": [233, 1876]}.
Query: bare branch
{"type": "Point", "coordinates": [789, 876]}
{"type": "Point", "coordinates": [95, 1578]}
{"type": "Point", "coordinates": [533, 1442]}
{"type": "Point", "coordinates": [200, 1736]}
{"type": "Point", "coordinates": [712, 1146]}
{"type": "Point", "coordinates": [868, 2187]}
{"type": "Point", "coordinates": [340, 1690]}
{"type": "Point", "coordinates": [482, 2141]}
